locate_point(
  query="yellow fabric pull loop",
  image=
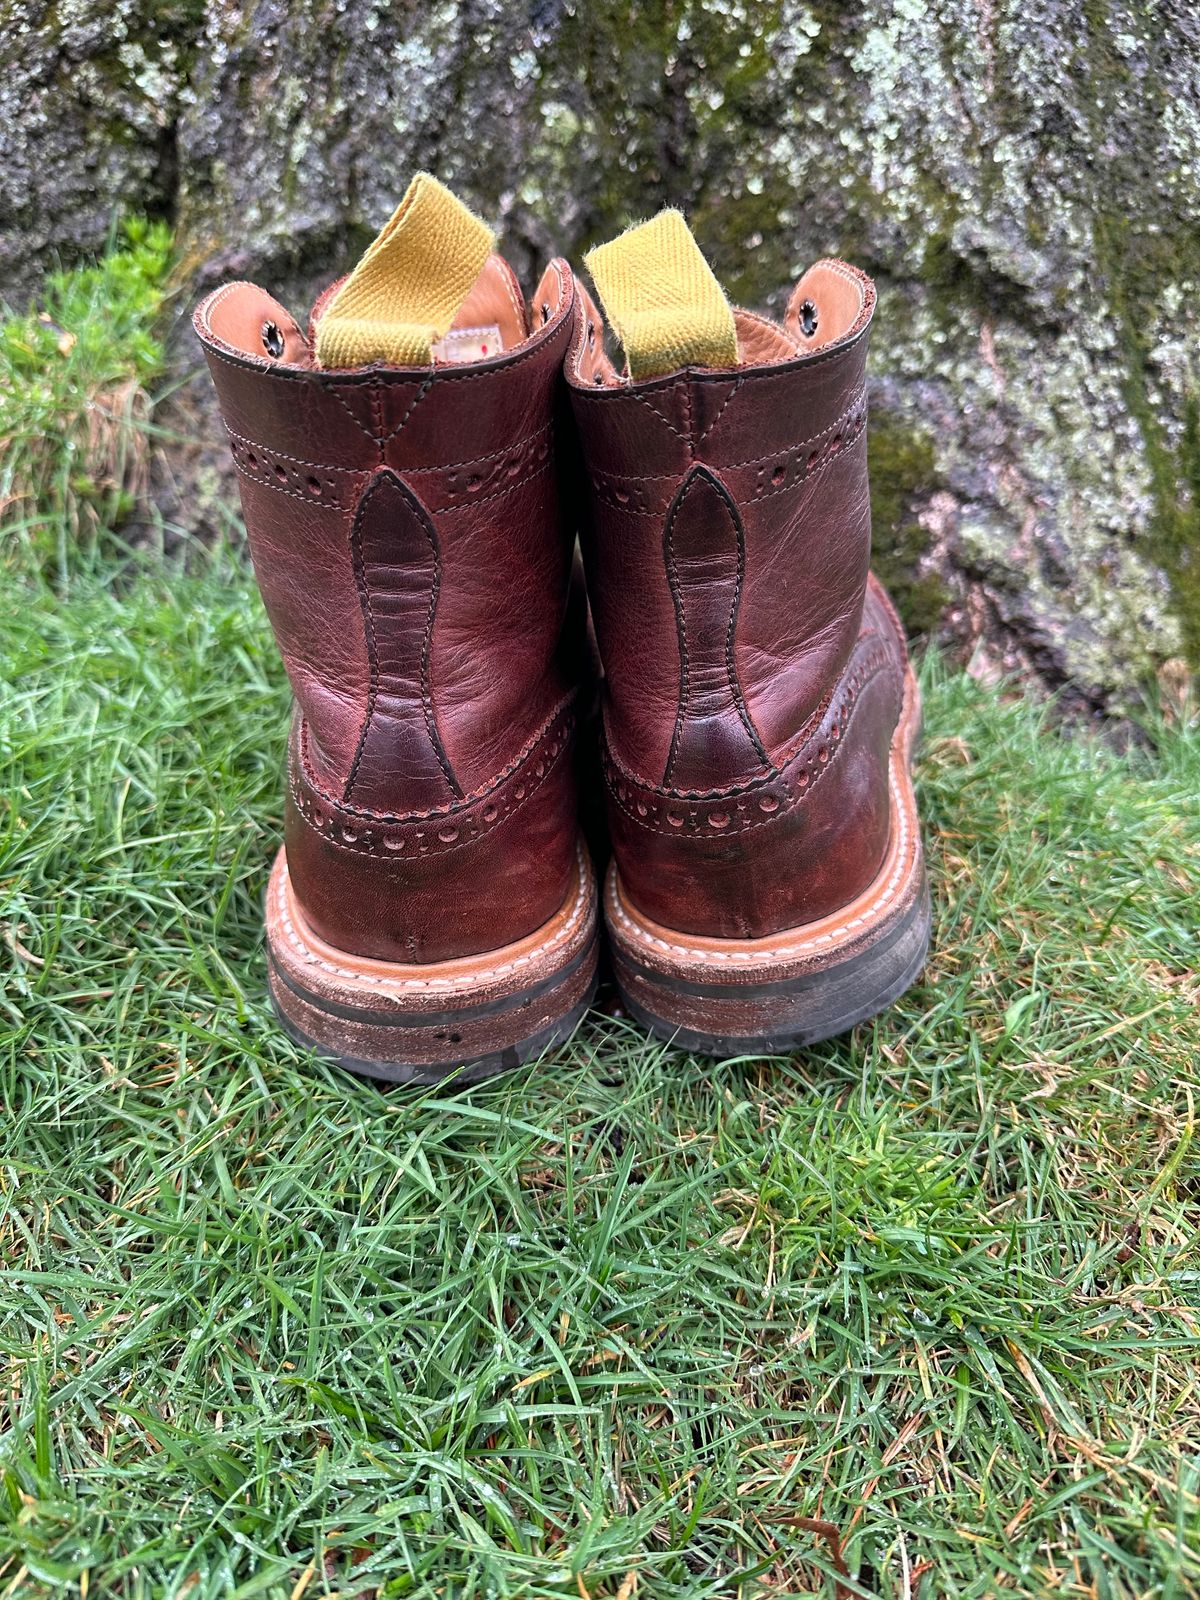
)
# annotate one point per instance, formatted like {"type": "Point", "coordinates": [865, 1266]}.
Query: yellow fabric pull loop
{"type": "Point", "coordinates": [405, 292]}
{"type": "Point", "coordinates": [665, 305]}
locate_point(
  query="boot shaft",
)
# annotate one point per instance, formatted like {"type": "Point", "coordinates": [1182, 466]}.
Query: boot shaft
{"type": "Point", "coordinates": [409, 544]}
{"type": "Point", "coordinates": [408, 533]}
{"type": "Point", "coordinates": [729, 538]}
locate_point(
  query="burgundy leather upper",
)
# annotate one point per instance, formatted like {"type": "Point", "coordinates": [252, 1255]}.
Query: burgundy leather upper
{"type": "Point", "coordinates": [412, 551]}
{"type": "Point", "coordinates": [753, 681]}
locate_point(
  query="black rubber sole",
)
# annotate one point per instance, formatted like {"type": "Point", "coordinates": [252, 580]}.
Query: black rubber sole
{"type": "Point", "coordinates": [465, 1072]}
{"type": "Point", "coordinates": [810, 1008]}
{"type": "Point", "coordinates": [423, 1024]}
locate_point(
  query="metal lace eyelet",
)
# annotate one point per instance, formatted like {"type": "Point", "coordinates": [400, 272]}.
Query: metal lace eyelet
{"type": "Point", "coordinates": [808, 319]}
{"type": "Point", "coordinates": [272, 340]}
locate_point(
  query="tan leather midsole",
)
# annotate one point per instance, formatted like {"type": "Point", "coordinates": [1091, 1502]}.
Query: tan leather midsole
{"type": "Point", "coordinates": [300, 950]}
{"type": "Point", "coordinates": [668, 949]}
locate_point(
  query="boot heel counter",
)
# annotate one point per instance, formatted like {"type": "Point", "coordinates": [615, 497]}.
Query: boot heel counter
{"type": "Point", "coordinates": [787, 848]}
{"type": "Point", "coordinates": [471, 875]}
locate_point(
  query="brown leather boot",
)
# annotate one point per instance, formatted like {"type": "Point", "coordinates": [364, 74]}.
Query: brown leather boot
{"type": "Point", "coordinates": [768, 888]}
{"type": "Point", "coordinates": [433, 905]}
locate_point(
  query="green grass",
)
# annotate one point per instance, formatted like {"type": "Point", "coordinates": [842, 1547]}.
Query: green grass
{"type": "Point", "coordinates": [75, 429]}
{"type": "Point", "coordinates": [267, 1330]}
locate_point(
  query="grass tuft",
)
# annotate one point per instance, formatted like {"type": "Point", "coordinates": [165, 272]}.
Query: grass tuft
{"type": "Point", "coordinates": [74, 410]}
{"type": "Point", "coordinates": [620, 1322]}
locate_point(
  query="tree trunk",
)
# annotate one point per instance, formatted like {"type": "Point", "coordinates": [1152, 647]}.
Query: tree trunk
{"type": "Point", "coordinates": [1023, 182]}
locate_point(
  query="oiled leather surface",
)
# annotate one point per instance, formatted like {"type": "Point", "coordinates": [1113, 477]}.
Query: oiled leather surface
{"type": "Point", "coordinates": [704, 551]}
{"type": "Point", "coordinates": [408, 536]}
{"type": "Point", "coordinates": [753, 680]}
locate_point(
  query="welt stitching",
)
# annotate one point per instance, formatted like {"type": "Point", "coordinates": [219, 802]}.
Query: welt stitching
{"type": "Point", "coordinates": [438, 813]}
{"type": "Point", "coordinates": [793, 801]}
{"type": "Point", "coordinates": [431, 727]}
{"type": "Point", "coordinates": [364, 600]}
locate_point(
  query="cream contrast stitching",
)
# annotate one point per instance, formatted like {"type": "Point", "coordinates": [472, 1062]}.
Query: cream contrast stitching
{"type": "Point", "coordinates": [757, 461]}
{"type": "Point", "coordinates": [300, 461]}
{"type": "Point", "coordinates": [386, 438]}
{"type": "Point", "coordinates": [803, 479]}
{"type": "Point", "coordinates": [477, 461]}
{"type": "Point", "coordinates": [409, 472]}
{"type": "Point", "coordinates": [737, 384]}
{"type": "Point", "coordinates": [644, 399]}
{"type": "Point", "coordinates": [294, 494]}
{"type": "Point", "coordinates": [518, 483]}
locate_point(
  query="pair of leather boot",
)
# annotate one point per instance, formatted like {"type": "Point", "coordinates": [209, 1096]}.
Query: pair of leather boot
{"type": "Point", "coordinates": [415, 467]}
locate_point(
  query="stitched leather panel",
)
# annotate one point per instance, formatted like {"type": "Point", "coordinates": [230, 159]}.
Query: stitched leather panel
{"type": "Point", "coordinates": [443, 829]}
{"type": "Point", "coordinates": [680, 813]}
{"type": "Point", "coordinates": [307, 582]}
{"type": "Point", "coordinates": [705, 556]}
{"type": "Point", "coordinates": [475, 875]}
{"type": "Point", "coordinates": [397, 569]}
{"type": "Point", "coordinates": [791, 847]}
{"type": "Point", "coordinates": [788, 443]}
